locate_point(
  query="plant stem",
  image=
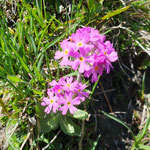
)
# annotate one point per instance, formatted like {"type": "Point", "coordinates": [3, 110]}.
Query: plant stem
{"type": "Point", "coordinates": [79, 77]}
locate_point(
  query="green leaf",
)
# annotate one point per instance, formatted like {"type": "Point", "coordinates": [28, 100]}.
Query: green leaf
{"type": "Point", "coordinates": [51, 122]}
{"type": "Point", "coordinates": [47, 122]}
{"type": "Point", "coordinates": [144, 147]}
{"type": "Point", "coordinates": [119, 121]}
{"type": "Point", "coordinates": [141, 135]}
{"type": "Point", "coordinates": [37, 73]}
{"type": "Point", "coordinates": [115, 12]}
{"type": "Point", "coordinates": [37, 92]}
{"type": "Point", "coordinates": [14, 79]}
{"type": "Point", "coordinates": [40, 111]}
{"type": "Point", "coordinates": [79, 114]}
{"type": "Point", "coordinates": [21, 60]}
{"type": "Point", "coordinates": [143, 86]}
{"type": "Point", "coordinates": [55, 41]}
{"type": "Point", "coordinates": [94, 144]}
{"type": "Point", "coordinates": [94, 86]}
{"type": "Point", "coordinates": [69, 127]}
{"type": "Point", "coordinates": [91, 4]}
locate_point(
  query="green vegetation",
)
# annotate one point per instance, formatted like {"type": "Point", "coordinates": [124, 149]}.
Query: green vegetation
{"type": "Point", "coordinates": [30, 34]}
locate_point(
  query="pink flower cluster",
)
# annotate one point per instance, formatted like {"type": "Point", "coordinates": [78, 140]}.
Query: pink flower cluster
{"type": "Point", "coordinates": [63, 95]}
{"type": "Point", "coordinates": [87, 51]}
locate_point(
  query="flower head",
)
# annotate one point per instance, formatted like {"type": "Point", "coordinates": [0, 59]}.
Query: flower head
{"type": "Point", "coordinates": [88, 52]}
{"type": "Point", "coordinates": [68, 103]}
{"type": "Point", "coordinates": [50, 102]}
{"type": "Point", "coordinates": [68, 84]}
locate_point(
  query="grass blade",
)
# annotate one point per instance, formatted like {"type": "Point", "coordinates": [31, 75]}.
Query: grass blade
{"type": "Point", "coordinates": [54, 42]}
{"type": "Point", "coordinates": [119, 121]}
{"type": "Point", "coordinates": [21, 60]}
{"type": "Point", "coordinates": [115, 12]}
{"type": "Point", "coordinates": [94, 86]}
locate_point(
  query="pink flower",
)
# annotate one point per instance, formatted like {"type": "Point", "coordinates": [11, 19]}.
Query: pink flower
{"type": "Point", "coordinates": [57, 86]}
{"type": "Point", "coordinates": [107, 56]}
{"type": "Point", "coordinates": [80, 40]}
{"type": "Point", "coordinates": [64, 54]}
{"type": "Point", "coordinates": [50, 102]}
{"type": "Point", "coordinates": [88, 52]}
{"type": "Point", "coordinates": [82, 61]}
{"type": "Point", "coordinates": [68, 103]}
{"type": "Point", "coordinates": [79, 90]}
{"type": "Point", "coordinates": [68, 84]}
{"type": "Point", "coordinates": [96, 69]}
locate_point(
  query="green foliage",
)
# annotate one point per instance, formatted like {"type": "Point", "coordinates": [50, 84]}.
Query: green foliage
{"type": "Point", "coordinates": [27, 48]}
{"type": "Point", "coordinates": [51, 121]}
{"type": "Point", "coordinates": [79, 114]}
{"type": "Point", "coordinates": [69, 127]}
{"type": "Point", "coordinates": [115, 12]}
{"type": "Point", "coordinates": [137, 139]}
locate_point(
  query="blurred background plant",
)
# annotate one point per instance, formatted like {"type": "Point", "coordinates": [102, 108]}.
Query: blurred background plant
{"type": "Point", "coordinates": [30, 32]}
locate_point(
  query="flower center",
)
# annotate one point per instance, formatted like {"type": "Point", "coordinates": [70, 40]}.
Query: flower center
{"type": "Point", "coordinates": [105, 53]}
{"type": "Point", "coordinates": [81, 58]}
{"type": "Point", "coordinates": [80, 44]}
{"type": "Point", "coordinates": [52, 101]}
{"type": "Point", "coordinates": [59, 90]}
{"type": "Point", "coordinates": [66, 52]}
{"type": "Point", "coordinates": [71, 40]}
{"type": "Point", "coordinates": [79, 90]}
{"type": "Point", "coordinates": [68, 103]}
{"type": "Point", "coordinates": [96, 68]}
{"type": "Point", "coordinates": [68, 84]}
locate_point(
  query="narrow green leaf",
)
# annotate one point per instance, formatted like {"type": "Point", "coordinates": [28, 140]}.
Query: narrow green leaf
{"type": "Point", "coordinates": [115, 12]}
{"type": "Point", "coordinates": [69, 127]}
{"type": "Point", "coordinates": [40, 62]}
{"type": "Point", "coordinates": [52, 18]}
{"type": "Point", "coordinates": [21, 60]}
{"type": "Point", "coordinates": [91, 4]}
{"type": "Point", "coordinates": [79, 114]}
{"type": "Point", "coordinates": [37, 73]}
{"type": "Point", "coordinates": [119, 121]}
{"type": "Point", "coordinates": [11, 84]}
{"type": "Point", "coordinates": [39, 10]}
{"type": "Point", "coordinates": [94, 86]}
{"type": "Point", "coordinates": [55, 41]}
{"type": "Point", "coordinates": [32, 12]}
{"type": "Point", "coordinates": [33, 45]}
{"type": "Point", "coordinates": [144, 147]}
{"type": "Point", "coordinates": [141, 135]}
{"type": "Point", "coordinates": [3, 70]}
{"type": "Point", "coordinates": [93, 147]}
{"type": "Point", "coordinates": [14, 79]}
{"type": "Point", "coordinates": [37, 92]}
{"type": "Point", "coordinates": [143, 86]}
